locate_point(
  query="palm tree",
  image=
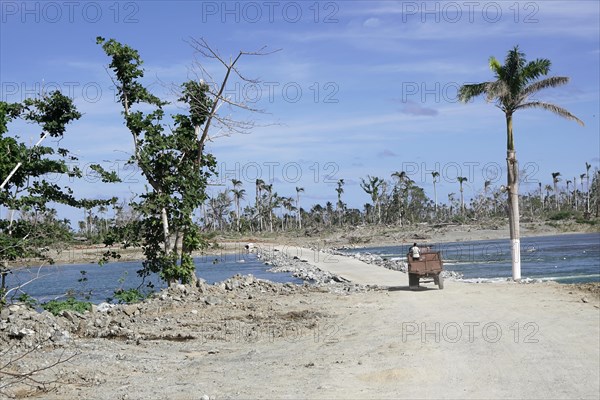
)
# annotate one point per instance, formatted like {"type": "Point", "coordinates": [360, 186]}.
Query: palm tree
{"type": "Point", "coordinates": [568, 197]}
{"type": "Point", "coordinates": [259, 186]}
{"type": "Point", "coordinates": [461, 180]}
{"type": "Point", "coordinates": [298, 215]}
{"type": "Point", "coordinates": [403, 184]}
{"type": "Point", "coordinates": [435, 175]}
{"type": "Point", "coordinates": [515, 82]}
{"type": "Point", "coordinates": [575, 202]}
{"type": "Point", "coordinates": [548, 189]}
{"type": "Point", "coordinates": [269, 190]}
{"type": "Point", "coordinates": [288, 204]}
{"type": "Point", "coordinates": [587, 177]}
{"type": "Point", "coordinates": [238, 194]}
{"type": "Point", "coordinates": [555, 180]}
{"type": "Point", "coordinates": [372, 187]}
{"type": "Point", "coordinates": [581, 183]}
{"type": "Point", "coordinates": [340, 204]}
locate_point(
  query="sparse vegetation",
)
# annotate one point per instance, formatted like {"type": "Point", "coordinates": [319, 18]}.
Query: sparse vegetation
{"type": "Point", "coordinates": [70, 304]}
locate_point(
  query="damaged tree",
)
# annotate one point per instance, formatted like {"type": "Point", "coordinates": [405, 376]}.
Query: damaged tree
{"type": "Point", "coordinates": [173, 158]}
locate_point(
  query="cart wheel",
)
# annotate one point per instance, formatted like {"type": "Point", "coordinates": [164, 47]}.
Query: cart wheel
{"type": "Point", "coordinates": [413, 281]}
{"type": "Point", "coordinates": [440, 282]}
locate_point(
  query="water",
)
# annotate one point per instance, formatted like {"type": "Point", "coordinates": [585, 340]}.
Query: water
{"type": "Point", "coordinates": [55, 281]}
{"type": "Point", "coordinates": [564, 258]}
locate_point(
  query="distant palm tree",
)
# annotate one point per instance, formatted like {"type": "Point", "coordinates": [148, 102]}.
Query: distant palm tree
{"type": "Point", "coordinates": [548, 189]}
{"type": "Point", "coordinates": [259, 186]}
{"type": "Point", "coordinates": [372, 186]}
{"type": "Point", "coordinates": [435, 175]}
{"type": "Point", "coordinates": [587, 178]}
{"type": "Point", "coordinates": [581, 182]}
{"type": "Point", "coordinates": [340, 204]}
{"type": "Point", "coordinates": [575, 202]}
{"type": "Point", "coordinates": [555, 180]}
{"type": "Point", "coordinates": [288, 204]}
{"type": "Point", "coordinates": [298, 212]}
{"type": "Point", "coordinates": [269, 190]}
{"type": "Point", "coordinates": [461, 180]}
{"type": "Point", "coordinates": [238, 194]}
{"type": "Point", "coordinates": [516, 81]}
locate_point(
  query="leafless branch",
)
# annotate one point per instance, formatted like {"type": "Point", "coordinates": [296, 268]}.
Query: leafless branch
{"type": "Point", "coordinates": [203, 48]}
{"type": "Point", "coordinates": [31, 378]}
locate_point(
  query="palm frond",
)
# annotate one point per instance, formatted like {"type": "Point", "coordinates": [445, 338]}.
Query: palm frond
{"type": "Point", "coordinates": [550, 82]}
{"type": "Point", "coordinates": [495, 66]}
{"type": "Point", "coordinates": [514, 64]}
{"type": "Point", "coordinates": [469, 91]}
{"type": "Point", "coordinates": [551, 107]}
{"type": "Point", "coordinates": [535, 69]}
{"type": "Point", "coordinates": [497, 90]}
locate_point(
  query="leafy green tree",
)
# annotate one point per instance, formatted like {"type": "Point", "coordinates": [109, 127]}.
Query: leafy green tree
{"type": "Point", "coordinates": [172, 158]}
{"type": "Point", "coordinates": [27, 191]}
{"type": "Point", "coordinates": [516, 82]}
{"type": "Point", "coordinates": [173, 162]}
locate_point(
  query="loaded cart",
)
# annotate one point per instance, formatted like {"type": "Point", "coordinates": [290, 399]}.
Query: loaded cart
{"type": "Point", "coordinates": [426, 269]}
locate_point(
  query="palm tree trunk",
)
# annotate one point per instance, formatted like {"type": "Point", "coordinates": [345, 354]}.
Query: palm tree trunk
{"type": "Point", "coordinates": [587, 178]}
{"type": "Point", "coordinates": [435, 197]}
{"type": "Point", "coordinates": [513, 213]}
{"type": "Point", "coordinates": [513, 201]}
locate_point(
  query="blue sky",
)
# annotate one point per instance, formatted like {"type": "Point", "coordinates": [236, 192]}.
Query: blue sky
{"type": "Point", "coordinates": [357, 88]}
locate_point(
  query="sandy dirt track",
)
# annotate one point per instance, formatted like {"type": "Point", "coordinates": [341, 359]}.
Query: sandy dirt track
{"type": "Point", "coordinates": [478, 341]}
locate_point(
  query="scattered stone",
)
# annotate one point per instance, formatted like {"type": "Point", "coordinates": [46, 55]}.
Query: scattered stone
{"type": "Point", "coordinates": [104, 307]}
{"type": "Point", "coordinates": [213, 300]}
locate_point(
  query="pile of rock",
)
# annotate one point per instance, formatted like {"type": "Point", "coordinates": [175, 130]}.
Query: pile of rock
{"type": "Point", "coordinates": [302, 269]}
{"type": "Point", "coordinates": [23, 326]}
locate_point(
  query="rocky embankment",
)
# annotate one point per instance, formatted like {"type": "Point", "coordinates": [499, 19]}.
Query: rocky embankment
{"type": "Point", "coordinates": [22, 326]}
{"type": "Point", "coordinates": [302, 269]}
{"type": "Point", "coordinates": [175, 313]}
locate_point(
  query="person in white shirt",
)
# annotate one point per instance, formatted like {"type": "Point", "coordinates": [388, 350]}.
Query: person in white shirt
{"type": "Point", "coordinates": [415, 252]}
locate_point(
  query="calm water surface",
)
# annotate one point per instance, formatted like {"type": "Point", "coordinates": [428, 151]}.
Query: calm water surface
{"type": "Point", "coordinates": [55, 281]}
{"type": "Point", "coordinates": [563, 258]}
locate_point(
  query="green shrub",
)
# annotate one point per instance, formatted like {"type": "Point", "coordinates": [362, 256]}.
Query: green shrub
{"type": "Point", "coordinates": [561, 215]}
{"type": "Point", "coordinates": [582, 220]}
{"type": "Point", "coordinates": [127, 296]}
{"type": "Point", "coordinates": [71, 304]}
{"type": "Point", "coordinates": [27, 299]}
